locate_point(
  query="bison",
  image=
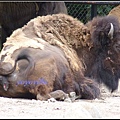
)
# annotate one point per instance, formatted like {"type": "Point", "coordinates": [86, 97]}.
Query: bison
{"type": "Point", "coordinates": [103, 60]}
{"type": "Point", "coordinates": [16, 14]}
{"type": "Point", "coordinates": [45, 64]}
{"type": "Point", "coordinates": [64, 54]}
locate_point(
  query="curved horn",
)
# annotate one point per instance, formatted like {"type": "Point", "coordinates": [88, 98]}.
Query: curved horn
{"type": "Point", "coordinates": [110, 34]}
{"type": "Point", "coordinates": [5, 72]}
{"type": "Point", "coordinates": [24, 54]}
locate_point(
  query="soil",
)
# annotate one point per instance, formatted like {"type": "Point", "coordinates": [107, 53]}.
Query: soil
{"type": "Point", "coordinates": [107, 106]}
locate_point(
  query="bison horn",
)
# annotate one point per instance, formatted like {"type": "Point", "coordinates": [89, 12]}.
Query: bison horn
{"type": "Point", "coordinates": [4, 72]}
{"type": "Point", "coordinates": [110, 34]}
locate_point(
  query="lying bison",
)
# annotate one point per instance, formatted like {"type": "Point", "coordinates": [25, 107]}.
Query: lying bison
{"type": "Point", "coordinates": [43, 68]}
{"type": "Point", "coordinates": [16, 14]}
{"type": "Point", "coordinates": [59, 53]}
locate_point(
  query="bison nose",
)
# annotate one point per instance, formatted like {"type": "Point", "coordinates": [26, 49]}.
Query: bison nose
{"type": "Point", "coordinates": [5, 86]}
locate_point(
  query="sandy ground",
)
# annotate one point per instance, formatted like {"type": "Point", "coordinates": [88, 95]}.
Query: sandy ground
{"type": "Point", "coordinates": [108, 106]}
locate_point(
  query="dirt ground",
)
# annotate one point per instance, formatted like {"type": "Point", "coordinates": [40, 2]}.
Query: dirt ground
{"type": "Point", "coordinates": [108, 106]}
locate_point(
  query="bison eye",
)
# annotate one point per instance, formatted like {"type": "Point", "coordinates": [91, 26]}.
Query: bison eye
{"type": "Point", "coordinates": [103, 39]}
{"type": "Point", "coordinates": [1, 78]}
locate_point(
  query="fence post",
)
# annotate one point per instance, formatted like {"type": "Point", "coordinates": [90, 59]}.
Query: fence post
{"type": "Point", "coordinates": [93, 10]}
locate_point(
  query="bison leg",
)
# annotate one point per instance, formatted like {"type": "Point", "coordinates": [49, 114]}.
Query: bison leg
{"type": "Point", "coordinates": [58, 95]}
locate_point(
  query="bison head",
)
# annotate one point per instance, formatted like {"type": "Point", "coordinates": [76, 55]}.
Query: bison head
{"type": "Point", "coordinates": [105, 53]}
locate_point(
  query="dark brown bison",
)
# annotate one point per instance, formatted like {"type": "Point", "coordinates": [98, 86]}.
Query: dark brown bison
{"type": "Point", "coordinates": [44, 68]}
{"type": "Point", "coordinates": [16, 14]}
{"type": "Point", "coordinates": [103, 60]}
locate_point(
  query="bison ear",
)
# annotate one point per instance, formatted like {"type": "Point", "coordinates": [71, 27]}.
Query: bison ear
{"type": "Point", "coordinates": [110, 34]}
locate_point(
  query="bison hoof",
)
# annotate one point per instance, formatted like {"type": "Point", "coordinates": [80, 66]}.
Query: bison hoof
{"type": "Point", "coordinates": [73, 96]}
{"type": "Point", "coordinates": [68, 100]}
{"type": "Point", "coordinates": [52, 100]}
{"type": "Point", "coordinates": [58, 95]}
